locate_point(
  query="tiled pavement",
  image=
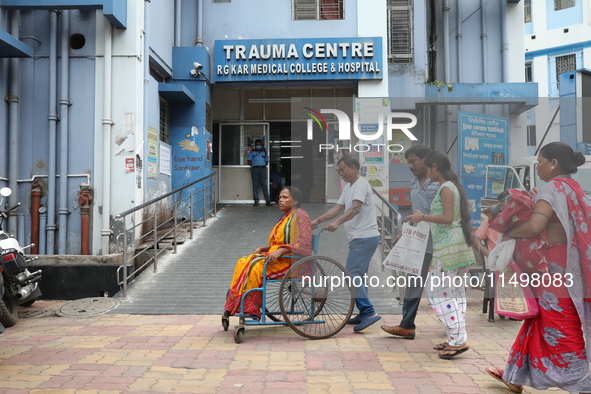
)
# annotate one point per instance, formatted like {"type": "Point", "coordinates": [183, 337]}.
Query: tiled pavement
{"type": "Point", "coordinates": [167, 337]}
{"type": "Point", "coordinates": [122, 353]}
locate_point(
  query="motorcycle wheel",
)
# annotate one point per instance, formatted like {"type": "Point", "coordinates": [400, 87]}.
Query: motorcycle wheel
{"type": "Point", "coordinates": [30, 302]}
{"type": "Point", "coordinates": [8, 312]}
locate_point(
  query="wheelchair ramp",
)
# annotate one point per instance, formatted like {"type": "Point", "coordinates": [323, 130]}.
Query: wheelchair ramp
{"type": "Point", "coordinates": [196, 279]}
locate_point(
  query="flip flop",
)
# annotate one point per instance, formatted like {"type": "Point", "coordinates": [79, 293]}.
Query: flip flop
{"type": "Point", "coordinates": [452, 355]}
{"type": "Point", "coordinates": [441, 346]}
{"type": "Point", "coordinates": [497, 374]}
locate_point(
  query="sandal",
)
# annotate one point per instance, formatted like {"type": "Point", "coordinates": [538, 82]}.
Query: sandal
{"type": "Point", "coordinates": [498, 375]}
{"type": "Point", "coordinates": [441, 346]}
{"type": "Point", "coordinates": [454, 350]}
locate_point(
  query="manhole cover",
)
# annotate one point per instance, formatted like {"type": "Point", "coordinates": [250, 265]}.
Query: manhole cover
{"type": "Point", "coordinates": [88, 307]}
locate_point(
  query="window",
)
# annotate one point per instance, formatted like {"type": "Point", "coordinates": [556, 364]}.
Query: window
{"type": "Point", "coordinates": [164, 121]}
{"type": "Point", "coordinates": [221, 1]}
{"type": "Point", "coordinates": [528, 72]}
{"type": "Point", "coordinates": [563, 4]}
{"type": "Point", "coordinates": [317, 9]}
{"type": "Point", "coordinates": [565, 64]}
{"type": "Point", "coordinates": [527, 11]}
{"type": "Point", "coordinates": [400, 31]}
{"type": "Point", "coordinates": [531, 135]}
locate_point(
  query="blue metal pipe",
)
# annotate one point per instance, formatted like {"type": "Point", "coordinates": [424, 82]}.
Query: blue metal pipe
{"type": "Point", "coordinates": [13, 125]}
{"type": "Point", "coordinates": [52, 117]}
{"type": "Point", "coordinates": [63, 210]}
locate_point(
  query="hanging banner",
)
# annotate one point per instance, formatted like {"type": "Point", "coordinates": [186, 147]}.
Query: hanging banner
{"type": "Point", "coordinates": [152, 153]}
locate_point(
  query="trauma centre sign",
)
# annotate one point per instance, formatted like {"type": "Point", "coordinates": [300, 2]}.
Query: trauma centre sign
{"type": "Point", "coordinates": [298, 59]}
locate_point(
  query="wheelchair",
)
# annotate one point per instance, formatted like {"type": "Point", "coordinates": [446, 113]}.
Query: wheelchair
{"type": "Point", "coordinates": [315, 298]}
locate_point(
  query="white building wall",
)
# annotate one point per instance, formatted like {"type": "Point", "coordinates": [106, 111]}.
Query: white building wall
{"type": "Point", "coordinates": [543, 66]}
{"type": "Point", "coordinates": [370, 26]}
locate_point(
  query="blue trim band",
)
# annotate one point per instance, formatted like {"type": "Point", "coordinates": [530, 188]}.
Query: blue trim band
{"type": "Point", "coordinates": [556, 50]}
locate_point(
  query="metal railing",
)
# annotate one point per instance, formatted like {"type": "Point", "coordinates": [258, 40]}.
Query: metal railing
{"type": "Point", "coordinates": [168, 215]}
{"type": "Point", "coordinates": [389, 225]}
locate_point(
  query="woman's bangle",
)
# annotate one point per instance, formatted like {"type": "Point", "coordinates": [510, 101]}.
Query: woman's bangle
{"type": "Point", "coordinates": [318, 220]}
{"type": "Point", "coordinates": [509, 235]}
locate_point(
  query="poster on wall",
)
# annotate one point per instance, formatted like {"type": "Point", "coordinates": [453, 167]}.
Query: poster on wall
{"type": "Point", "coordinates": [373, 153]}
{"type": "Point", "coordinates": [482, 141]}
{"type": "Point", "coordinates": [152, 153]}
{"type": "Point", "coordinates": [164, 159]}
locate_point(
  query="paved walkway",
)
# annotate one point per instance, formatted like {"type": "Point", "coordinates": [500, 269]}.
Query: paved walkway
{"type": "Point", "coordinates": [167, 337]}
{"type": "Point", "coordinates": [122, 353]}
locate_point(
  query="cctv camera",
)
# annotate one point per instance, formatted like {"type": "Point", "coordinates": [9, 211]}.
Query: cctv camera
{"type": "Point", "coordinates": [194, 73]}
{"type": "Point", "coordinates": [198, 66]}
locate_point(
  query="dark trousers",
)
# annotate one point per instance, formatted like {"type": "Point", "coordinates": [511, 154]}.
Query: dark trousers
{"type": "Point", "coordinates": [259, 176]}
{"type": "Point", "coordinates": [413, 293]}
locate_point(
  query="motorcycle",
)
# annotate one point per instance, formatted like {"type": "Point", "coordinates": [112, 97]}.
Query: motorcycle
{"type": "Point", "coordinates": [21, 287]}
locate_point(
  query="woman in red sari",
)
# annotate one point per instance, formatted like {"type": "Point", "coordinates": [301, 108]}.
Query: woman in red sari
{"type": "Point", "coordinates": [553, 348]}
{"type": "Point", "coordinates": [292, 234]}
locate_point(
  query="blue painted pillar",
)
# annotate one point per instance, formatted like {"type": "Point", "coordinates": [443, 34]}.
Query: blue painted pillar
{"type": "Point", "coordinates": [190, 139]}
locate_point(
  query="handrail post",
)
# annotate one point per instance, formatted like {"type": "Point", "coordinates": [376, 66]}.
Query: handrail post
{"type": "Point", "coordinates": [174, 213]}
{"type": "Point", "coordinates": [124, 259]}
{"type": "Point", "coordinates": [204, 205]}
{"type": "Point", "coordinates": [191, 214]}
{"type": "Point", "coordinates": [155, 240]}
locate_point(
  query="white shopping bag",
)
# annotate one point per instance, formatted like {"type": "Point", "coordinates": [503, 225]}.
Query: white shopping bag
{"type": "Point", "coordinates": [409, 252]}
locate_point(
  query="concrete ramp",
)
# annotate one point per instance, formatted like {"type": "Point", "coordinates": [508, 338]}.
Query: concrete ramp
{"type": "Point", "coordinates": [196, 279]}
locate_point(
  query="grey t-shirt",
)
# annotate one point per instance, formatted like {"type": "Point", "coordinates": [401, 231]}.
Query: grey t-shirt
{"type": "Point", "coordinates": [421, 199]}
{"type": "Point", "coordinates": [364, 224]}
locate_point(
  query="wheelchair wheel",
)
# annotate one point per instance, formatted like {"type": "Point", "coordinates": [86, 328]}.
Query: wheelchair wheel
{"type": "Point", "coordinates": [272, 308]}
{"type": "Point", "coordinates": [312, 304]}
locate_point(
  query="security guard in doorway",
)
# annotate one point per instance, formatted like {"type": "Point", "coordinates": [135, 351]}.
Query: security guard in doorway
{"type": "Point", "coordinates": [258, 159]}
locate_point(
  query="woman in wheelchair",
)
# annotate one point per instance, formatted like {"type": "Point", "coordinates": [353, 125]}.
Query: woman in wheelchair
{"type": "Point", "coordinates": [292, 234]}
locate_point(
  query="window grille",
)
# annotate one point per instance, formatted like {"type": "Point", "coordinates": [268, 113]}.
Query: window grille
{"type": "Point", "coordinates": [527, 11]}
{"type": "Point", "coordinates": [565, 64]}
{"type": "Point", "coordinates": [164, 121]}
{"type": "Point", "coordinates": [531, 135]}
{"type": "Point", "coordinates": [563, 4]}
{"type": "Point", "coordinates": [400, 31]}
{"type": "Point", "coordinates": [528, 72]}
{"type": "Point", "coordinates": [317, 9]}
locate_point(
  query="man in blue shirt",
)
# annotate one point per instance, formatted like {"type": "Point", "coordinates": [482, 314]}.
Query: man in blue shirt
{"type": "Point", "coordinates": [257, 160]}
{"type": "Point", "coordinates": [422, 193]}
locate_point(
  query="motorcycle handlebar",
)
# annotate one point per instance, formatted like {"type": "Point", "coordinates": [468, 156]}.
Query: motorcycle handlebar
{"type": "Point", "coordinates": [5, 211]}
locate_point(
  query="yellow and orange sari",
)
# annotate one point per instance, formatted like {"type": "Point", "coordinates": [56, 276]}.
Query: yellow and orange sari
{"type": "Point", "coordinates": [293, 231]}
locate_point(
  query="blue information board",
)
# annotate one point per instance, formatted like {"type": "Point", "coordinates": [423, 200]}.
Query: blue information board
{"type": "Point", "coordinates": [483, 140]}
{"type": "Point", "coordinates": [298, 59]}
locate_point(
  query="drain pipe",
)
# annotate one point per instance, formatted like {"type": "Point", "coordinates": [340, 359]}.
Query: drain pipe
{"type": "Point", "coordinates": [199, 41]}
{"type": "Point", "coordinates": [35, 205]}
{"type": "Point", "coordinates": [84, 201]}
{"type": "Point", "coordinates": [107, 123]}
{"type": "Point", "coordinates": [52, 117]}
{"type": "Point", "coordinates": [459, 38]}
{"type": "Point", "coordinates": [446, 70]}
{"type": "Point", "coordinates": [177, 23]}
{"type": "Point", "coordinates": [42, 223]}
{"type": "Point", "coordinates": [505, 42]}
{"type": "Point", "coordinates": [63, 210]}
{"type": "Point", "coordinates": [13, 125]}
{"type": "Point", "coordinates": [484, 38]}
